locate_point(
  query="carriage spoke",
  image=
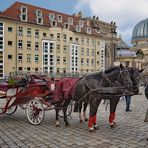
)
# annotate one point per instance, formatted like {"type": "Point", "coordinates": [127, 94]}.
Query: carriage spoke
{"type": "Point", "coordinates": [35, 112]}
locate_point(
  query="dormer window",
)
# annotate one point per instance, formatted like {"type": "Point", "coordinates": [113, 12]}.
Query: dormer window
{"type": "Point", "coordinates": [78, 28]}
{"type": "Point", "coordinates": [81, 23]}
{"type": "Point", "coordinates": [88, 30]}
{"type": "Point", "coordinates": [51, 16]}
{"type": "Point", "coordinates": [23, 14]}
{"type": "Point", "coordinates": [39, 13]}
{"type": "Point", "coordinates": [70, 21]}
{"type": "Point", "coordinates": [66, 25]}
{"type": "Point", "coordinates": [39, 17]}
{"type": "Point", "coordinates": [98, 29]}
{"type": "Point", "coordinates": [53, 23]}
{"type": "Point", "coordinates": [59, 18]}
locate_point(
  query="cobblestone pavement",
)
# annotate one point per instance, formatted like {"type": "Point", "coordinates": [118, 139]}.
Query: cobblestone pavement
{"type": "Point", "coordinates": [131, 132]}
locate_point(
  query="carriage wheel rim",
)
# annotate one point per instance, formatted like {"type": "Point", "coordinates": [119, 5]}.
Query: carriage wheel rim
{"type": "Point", "coordinates": [35, 112]}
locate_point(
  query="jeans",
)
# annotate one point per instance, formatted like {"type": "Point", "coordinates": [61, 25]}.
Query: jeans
{"type": "Point", "coordinates": [128, 102]}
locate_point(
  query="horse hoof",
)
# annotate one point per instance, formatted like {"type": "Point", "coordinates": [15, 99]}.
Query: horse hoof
{"type": "Point", "coordinates": [96, 127]}
{"type": "Point", "coordinates": [91, 130]}
{"type": "Point", "coordinates": [81, 121]}
{"type": "Point", "coordinates": [112, 126]}
{"type": "Point", "coordinates": [58, 125]}
{"type": "Point", "coordinates": [86, 119]}
{"type": "Point", "coordinates": [67, 124]}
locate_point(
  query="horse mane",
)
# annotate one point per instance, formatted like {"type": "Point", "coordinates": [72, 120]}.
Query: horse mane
{"type": "Point", "coordinates": [110, 70]}
{"type": "Point", "coordinates": [98, 74]}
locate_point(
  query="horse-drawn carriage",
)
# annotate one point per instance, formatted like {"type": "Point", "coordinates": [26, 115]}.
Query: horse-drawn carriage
{"type": "Point", "coordinates": [34, 94]}
{"type": "Point", "coordinates": [37, 94]}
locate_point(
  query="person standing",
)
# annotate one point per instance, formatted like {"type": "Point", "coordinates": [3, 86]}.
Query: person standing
{"type": "Point", "coordinates": [128, 103]}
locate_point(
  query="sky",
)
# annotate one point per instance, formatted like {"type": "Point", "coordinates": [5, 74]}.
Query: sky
{"type": "Point", "coordinates": [126, 13]}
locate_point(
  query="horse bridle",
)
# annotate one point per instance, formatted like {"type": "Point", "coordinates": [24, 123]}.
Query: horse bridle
{"type": "Point", "coordinates": [122, 75]}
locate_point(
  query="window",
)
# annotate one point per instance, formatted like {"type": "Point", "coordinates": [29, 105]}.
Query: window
{"type": "Point", "coordinates": [58, 48]}
{"type": "Point", "coordinates": [92, 42]}
{"type": "Point", "coordinates": [64, 70]}
{"type": "Point", "coordinates": [44, 34]}
{"type": "Point", "coordinates": [87, 41]}
{"type": "Point", "coordinates": [10, 43]}
{"type": "Point", "coordinates": [88, 30]}
{"type": "Point", "coordinates": [81, 23]}
{"type": "Point", "coordinates": [20, 57]}
{"type": "Point", "coordinates": [51, 36]}
{"type": "Point", "coordinates": [36, 45]}
{"type": "Point", "coordinates": [9, 29]}
{"type": "Point", "coordinates": [82, 40]}
{"type": "Point", "coordinates": [58, 70]}
{"type": "Point", "coordinates": [20, 44]}
{"type": "Point", "coordinates": [92, 52]}
{"type": "Point", "coordinates": [70, 21]}
{"type": "Point", "coordinates": [87, 52]}
{"type": "Point", "coordinates": [9, 56]}
{"type": "Point", "coordinates": [53, 23]}
{"type": "Point", "coordinates": [66, 25]}
{"type": "Point", "coordinates": [36, 69]}
{"type": "Point", "coordinates": [64, 49]}
{"type": "Point", "coordinates": [20, 68]}
{"type": "Point", "coordinates": [36, 58]}
{"type": "Point", "coordinates": [64, 37]}
{"type": "Point", "coordinates": [39, 18]}
{"type": "Point", "coordinates": [92, 62]}
{"type": "Point", "coordinates": [58, 36]}
{"type": "Point", "coordinates": [78, 28]}
{"type": "Point", "coordinates": [28, 58]}
{"type": "Point", "coordinates": [82, 61]}
{"type": "Point", "coordinates": [38, 13]}
{"type": "Point", "coordinates": [51, 16]}
{"type": "Point", "coordinates": [1, 28]}
{"type": "Point", "coordinates": [64, 60]}
{"type": "Point", "coordinates": [76, 39]}
{"type": "Point", "coordinates": [58, 59]}
{"type": "Point", "coordinates": [82, 51]}
{"type": "Point", "coordinates": [1, 42]}
{"type": "Point", "coordinates": [59, 18]}
{"type": "Point", "coordinates": [20, 31]}
{"type": "Point", "coordinates": [29, 32]}
{"type": "Point", "coordinates": [28, 69]}
{"type": "Point", "coordinates": [70, 39]}
{"type": "Point", "coordinates": [24, 12]}
{"type": "Point", "coordinates": [29, 45]}
{"type": "Point", "coordinates": [87, 62]}
{"type": "Point", "coordinates": [36, 33]}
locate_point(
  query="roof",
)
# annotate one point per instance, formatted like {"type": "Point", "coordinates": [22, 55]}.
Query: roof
{"type": "Point", "coordinates": [140, 31]}
{"type": "Point", "coordinates": [126, 53]}
{"type": "Point", "coordinates": [13, 13]}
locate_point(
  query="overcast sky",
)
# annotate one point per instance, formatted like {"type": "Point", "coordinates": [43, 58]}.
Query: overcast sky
{"type": "Point", "coordinates": [126, 13]}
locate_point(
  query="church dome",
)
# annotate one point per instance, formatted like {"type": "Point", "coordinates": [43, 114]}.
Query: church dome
{"type": "Point", "coordinates": [140, 31]}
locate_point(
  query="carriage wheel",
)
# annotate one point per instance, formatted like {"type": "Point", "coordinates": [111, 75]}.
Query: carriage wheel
{"type": "Point", "coordinates": [11, 110]}
{"type": "Point", "coordinates": [35, 112]}
{"type": "Point", "coordinates": [69, 111]}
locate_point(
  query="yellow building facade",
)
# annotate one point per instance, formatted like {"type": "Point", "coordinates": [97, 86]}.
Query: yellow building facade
{"type": "Point", "coordinates": [34, 39]}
